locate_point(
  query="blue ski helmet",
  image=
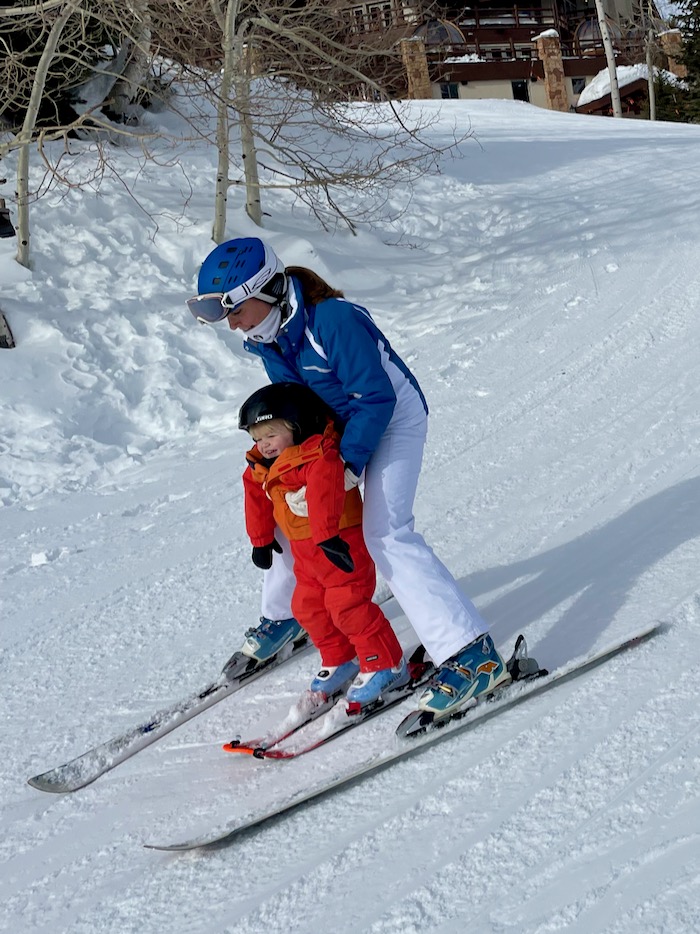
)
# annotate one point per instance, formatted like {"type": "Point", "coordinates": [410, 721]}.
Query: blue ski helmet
{"type": "Point", "coordinates": [233, 272]}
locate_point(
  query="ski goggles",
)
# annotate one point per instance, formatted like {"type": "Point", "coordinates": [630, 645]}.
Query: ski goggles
{"type": "Point", "coordinates": [211, 307]}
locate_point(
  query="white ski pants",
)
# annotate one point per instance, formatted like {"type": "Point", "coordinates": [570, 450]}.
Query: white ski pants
{"type": "Point", "coordinates": [443, 617]}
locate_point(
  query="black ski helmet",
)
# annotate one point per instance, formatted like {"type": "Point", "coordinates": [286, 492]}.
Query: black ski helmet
{"type": "Point", "coordinates": [294, 402]}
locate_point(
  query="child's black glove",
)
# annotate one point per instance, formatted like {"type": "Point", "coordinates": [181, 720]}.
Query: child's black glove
{"type": "Point", "coordinates": [262, 554]}
{"type": "Point", "coordinates": [338, 551]}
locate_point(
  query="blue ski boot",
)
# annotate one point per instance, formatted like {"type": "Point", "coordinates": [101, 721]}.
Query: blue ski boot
{"type": "Point", "coordinates": [263, 644]}
{"type": "Point", "coordinates": [369, 686]}
{"type": "Point", "coordinates": [265, 641]}
{"type": "Point", "coordinates": [334, 679]}
{"type": "Point", "coordinates": [475, 670]}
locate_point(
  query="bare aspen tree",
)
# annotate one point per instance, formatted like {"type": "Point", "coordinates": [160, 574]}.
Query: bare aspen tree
{"type": "Point", "coordinates": [60, 41]}
{"type": "Point", "coordinates": [651, 87]}
{"type": "Point", "coordinates": [226, 24]}
{"type": "Point", "coordinates": [647, 18]}
{"type": "Point", "coordinates": [304, 96]}
{"type": "Point", "coordinates": [23, 36]}
{"type": "Point", "coordinates": [138, 59]}
{"type": "Point", "coordinates": [25, 134]}
{"type": "Point", "coordinates": [610, 58]}
{"type": "Point", "coordinates": [642, 29]}
{"type": "Point", "coordinates": [235, 78]}
{"type": "Point", "coordinates": [249, 153]}
{"type": "Point", "coordinates": [288, 75]}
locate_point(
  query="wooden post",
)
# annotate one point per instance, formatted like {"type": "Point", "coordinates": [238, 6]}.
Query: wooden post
{"type": "Point", "coordinates": [672, 44]}
{"type": "Point", "coordinates": [415, 63]}
{"type": "Point", "coordinates": [549, 52]}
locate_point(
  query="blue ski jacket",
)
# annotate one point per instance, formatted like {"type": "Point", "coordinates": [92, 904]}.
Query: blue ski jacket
{"type": "Point", "coordinates": [337, 350]}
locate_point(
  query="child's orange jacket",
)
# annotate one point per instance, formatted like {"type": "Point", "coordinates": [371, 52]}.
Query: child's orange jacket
{"type": "Point", "coordinates": [316, 464]}
{"type": "Point", "coordinates": [334, 607]}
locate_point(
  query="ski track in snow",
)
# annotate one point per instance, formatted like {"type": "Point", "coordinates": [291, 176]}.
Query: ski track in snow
{"type": "Point", "coordinates": [547, 300]}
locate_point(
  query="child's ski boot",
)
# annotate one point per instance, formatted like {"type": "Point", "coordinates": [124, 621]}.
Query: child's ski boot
{"type": "Point", "coordinates": [369, 686]}
{"type": "Point", "coordinates": [335, 678]}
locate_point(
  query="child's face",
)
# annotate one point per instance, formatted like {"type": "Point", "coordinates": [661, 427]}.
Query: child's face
{"type": "Point", "coordinates": [271, 438]}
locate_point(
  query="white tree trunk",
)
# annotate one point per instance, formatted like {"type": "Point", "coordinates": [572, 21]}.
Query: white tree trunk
{"type": "Point", "coordinates": [610, 58]}
{"type": "Point", "coordinates": [25, 134]}
{"type": "Point", "coordinates": [235, 76]}
{"type": "Point", "coordinates": [136, 72]}
{"type": "Point", "coordinates": [249, 154]}
{"type": "Point", "coordinates": [650, 75]}
{"type": "Point", "coordinates": [222, 123]}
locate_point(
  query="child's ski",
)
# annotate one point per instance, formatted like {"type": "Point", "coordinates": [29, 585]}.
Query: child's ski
{"type": "Point", "coordinates": [329, 719]}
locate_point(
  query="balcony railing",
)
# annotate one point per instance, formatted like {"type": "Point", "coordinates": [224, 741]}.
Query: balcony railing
{"type": "Point", "coordinates": [493, 33]}
{"type": "Point", "coordinates": [508, 17]}
{"type": "Point", "coordinates": [387, 16]}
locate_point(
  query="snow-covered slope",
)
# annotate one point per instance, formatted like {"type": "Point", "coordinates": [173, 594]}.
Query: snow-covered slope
{"type": "Point", "coordinates": [545, 289]}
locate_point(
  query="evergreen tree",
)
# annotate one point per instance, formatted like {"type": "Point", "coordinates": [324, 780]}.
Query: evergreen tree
{"type": "Point", "coordinates": [689, 20]}
{"type": "Point", "coordinates": [671, 100]}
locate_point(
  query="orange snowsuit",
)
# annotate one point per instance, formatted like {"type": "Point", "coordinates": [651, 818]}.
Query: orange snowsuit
{"type": "Point", "coordinates": [334, 607]}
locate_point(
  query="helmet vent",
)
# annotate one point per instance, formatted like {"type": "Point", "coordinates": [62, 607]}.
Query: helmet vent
{"type": "Point", "coordinates": [242, 268]}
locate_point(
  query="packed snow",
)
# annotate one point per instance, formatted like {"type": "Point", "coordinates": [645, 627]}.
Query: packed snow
{"type": "Point", "coordinates": [545, 290]}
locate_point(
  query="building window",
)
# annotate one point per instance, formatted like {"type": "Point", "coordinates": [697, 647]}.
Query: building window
{"type": "Point", "coordinates": [520, 91]}
{"type": "Point", "coordinates": [577, 85]}
{"type": "Point", "coordinates": [448, 91]}
{"type": "Point", "coordinates": [380, 15]}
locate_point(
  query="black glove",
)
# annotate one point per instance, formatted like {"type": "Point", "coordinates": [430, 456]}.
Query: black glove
{"type": "Point", "coordinates": [262, 555]}
{"type": "Point", "coordinates": [338, 552]}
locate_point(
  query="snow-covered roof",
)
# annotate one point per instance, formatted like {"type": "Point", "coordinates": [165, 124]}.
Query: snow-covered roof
{"type": "Point", "coordinates": [626, 74]}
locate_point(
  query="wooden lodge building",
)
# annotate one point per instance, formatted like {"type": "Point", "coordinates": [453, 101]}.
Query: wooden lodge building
{"type": "Point", "coordinates": [488, 50]}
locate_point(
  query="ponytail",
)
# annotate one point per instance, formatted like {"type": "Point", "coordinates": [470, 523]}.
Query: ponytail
{"type": "Point", "coordinates": [313, 287]}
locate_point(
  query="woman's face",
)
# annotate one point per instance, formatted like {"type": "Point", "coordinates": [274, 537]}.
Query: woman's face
{"type": "Point", "coordinates": [271, 438]}
{"type": "Point", "coordinates": [248, 315]}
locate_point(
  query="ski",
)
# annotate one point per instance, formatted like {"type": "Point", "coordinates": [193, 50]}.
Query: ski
{"type": "Point", "coordinates": [309, 726]}
{"type": "Point", "coordinates": [86, 768]}
{"type": "Point", "coordinates": [510, 696]}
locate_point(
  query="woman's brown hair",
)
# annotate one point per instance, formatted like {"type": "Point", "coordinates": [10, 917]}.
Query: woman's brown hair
{"type": "Point", "coordinates": [313, 287]}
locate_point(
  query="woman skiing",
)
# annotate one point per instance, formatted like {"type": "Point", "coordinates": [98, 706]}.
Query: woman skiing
{"type": "Point", "coordinates": [304, 331]}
